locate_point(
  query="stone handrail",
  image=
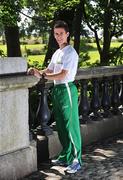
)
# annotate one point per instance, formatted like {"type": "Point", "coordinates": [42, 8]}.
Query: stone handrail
{"type": "Point", "coordinates": [97, 72]}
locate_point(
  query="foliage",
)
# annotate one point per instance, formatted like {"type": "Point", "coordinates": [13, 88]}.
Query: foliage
{"type": "Point", "coordinates": [44, 12]}
{"type": "Point", "coordinates": [47, 8]}
{"type": "Point", "coordinates": [118, 58]}
{"type": "Point", "coordinates": [36, 61]}
{"type": "Point", "coordinates": [97, 17]}
{"type": "Point", "coordinates": [9, 11]}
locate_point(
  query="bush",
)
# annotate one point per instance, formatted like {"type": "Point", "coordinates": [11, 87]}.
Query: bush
{"type": "Point", "coordinates": [33, 52]}
{"type": "Point", "coordinates": [83, 57]}
{"type": "Point", "coordinates": [23, 42]}
{"type": "Point", "coordinates": [117, 59]}
{"type": "Point", "coordinates": [2, 53]}
{"type": "Point", "coordinates": [37, 42]}
{"type": "Point", "coordinates": [120, 40]}
{"type": "Point", "coordinates": [35, 64]}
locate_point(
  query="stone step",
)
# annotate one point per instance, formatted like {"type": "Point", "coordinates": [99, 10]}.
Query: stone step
{"type": "Point", "coordinates": [94, 131]}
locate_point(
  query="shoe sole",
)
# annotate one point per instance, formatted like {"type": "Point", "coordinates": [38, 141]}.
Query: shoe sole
{"type": "Point", "coordinates": [59, 164]}
{"type": "Point", "coordinates": [69, 171]}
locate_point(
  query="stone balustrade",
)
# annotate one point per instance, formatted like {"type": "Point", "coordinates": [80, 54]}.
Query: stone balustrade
{"type": "Point", "coordinates": [100, 104]}
{"type": "Point", "coordinates": [100, 92]}
{"type": "Point", "coordinates": [18, 156]}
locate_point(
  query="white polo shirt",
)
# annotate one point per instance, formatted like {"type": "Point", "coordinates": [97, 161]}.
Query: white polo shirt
{"type": "Point", "coordinates": [67, 59]}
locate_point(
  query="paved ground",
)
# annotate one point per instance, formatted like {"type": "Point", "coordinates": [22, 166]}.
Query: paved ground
{"type": "Point", "coordinates": [101, 161]}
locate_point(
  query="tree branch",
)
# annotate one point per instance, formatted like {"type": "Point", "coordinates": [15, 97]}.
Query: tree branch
{"type": "Point", "coordinates": [33, 18]}
{"type": "Point", "coordinates": [97, 42]}
{"type": "Point", "coordinates": [117, 50]}
{"type": "Point", "coordinates": [116, 33]}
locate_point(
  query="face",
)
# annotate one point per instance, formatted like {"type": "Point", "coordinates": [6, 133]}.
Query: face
{"type": "Point", "coordinates": [61, 36]}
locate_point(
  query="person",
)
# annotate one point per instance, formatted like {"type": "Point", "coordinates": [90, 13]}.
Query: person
{"type": "Point", "coordinates": [62, 70]}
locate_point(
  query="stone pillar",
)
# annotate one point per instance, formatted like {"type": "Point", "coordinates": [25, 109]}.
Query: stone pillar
{"type": "Point", "coordinates": [18, 156]}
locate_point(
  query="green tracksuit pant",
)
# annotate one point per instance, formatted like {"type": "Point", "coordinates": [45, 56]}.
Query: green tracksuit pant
{"type": "Point", "coordinates": [65, 107]}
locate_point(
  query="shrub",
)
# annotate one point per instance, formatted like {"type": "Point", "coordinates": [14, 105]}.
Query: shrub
{"type": "Point", "coordinates": [120, 39]}
{"type": "Point", "coordinates": [2, 53]}
{"type": "Point", "coordinates": [33, 51]}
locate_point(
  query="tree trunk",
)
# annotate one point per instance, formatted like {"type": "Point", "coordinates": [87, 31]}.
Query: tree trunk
{"type": "Point", "coordinates": [67, 16]}
{"type": "Point", "coordinates": [52, 46]}
{"type": "Point", "coordinates": [77, 26]}
{"type": "Point", "coordinates": [105, 55]}
{"type": "Point", "coordinates": [12, 41]}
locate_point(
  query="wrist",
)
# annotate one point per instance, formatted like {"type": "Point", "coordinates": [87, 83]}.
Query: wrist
{"type": "Point", "coordinates": [43, 75]}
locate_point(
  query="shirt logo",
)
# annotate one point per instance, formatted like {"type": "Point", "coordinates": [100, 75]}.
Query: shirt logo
{"type": "Point", "coordinates": [58, 62]}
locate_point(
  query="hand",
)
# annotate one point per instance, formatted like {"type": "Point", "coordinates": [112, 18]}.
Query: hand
{"type": "Point", "coordinates": [33, 71]}
{"type": "Point", "coordinates": [30, 71]}
{"type": "Point", "coordinates": [43, 75]}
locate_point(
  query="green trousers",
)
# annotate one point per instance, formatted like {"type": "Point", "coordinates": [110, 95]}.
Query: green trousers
{"type": "Point", "coordinates": [65, 107]}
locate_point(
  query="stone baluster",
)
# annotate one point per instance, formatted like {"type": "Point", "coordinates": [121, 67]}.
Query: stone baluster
{"type": "Point", "coordinates": [121, 92]}
{"type": "Point", "coordinates": [115, 99]}
{"type": "Point", "coordinates": [33, 102]}
{"type": "Point", "coordinates": [95, 102]}
{"type": "Point", "coordinates": [84, 103]}
{"type": "Point", "coordinates": [106, 104]}
{"type": "Point", "coordinates": [43, 112]}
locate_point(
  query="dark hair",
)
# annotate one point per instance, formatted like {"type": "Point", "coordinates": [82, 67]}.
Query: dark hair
{"type": "Point", "coordinates": [61, 24]}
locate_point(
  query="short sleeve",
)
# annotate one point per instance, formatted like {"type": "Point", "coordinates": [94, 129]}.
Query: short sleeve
{"type": "Point", "coordinates": [51, 66]}
{"type": "Point", "coordinates": [69, 61]}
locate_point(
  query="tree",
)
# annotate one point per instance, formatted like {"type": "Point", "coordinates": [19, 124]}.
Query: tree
{"type": "Point", "coordinates": [9, 16]}
{"type": "Point", "coordinates": [107, 16]}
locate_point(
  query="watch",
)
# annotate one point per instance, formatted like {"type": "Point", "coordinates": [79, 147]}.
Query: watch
{"type": "Point", "coordinates": [43, 75]}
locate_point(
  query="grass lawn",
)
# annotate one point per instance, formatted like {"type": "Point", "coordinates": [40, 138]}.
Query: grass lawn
{"type": "Point", "coordinates": [94, 56]}
{"type": "Point", "coordinates": [38, 59]}
{"type": "Point", "coordinates": [113, 44]}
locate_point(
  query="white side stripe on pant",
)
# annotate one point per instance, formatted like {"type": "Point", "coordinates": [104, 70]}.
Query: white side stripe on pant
{"type": "Point", "coordinates": [69, 94]}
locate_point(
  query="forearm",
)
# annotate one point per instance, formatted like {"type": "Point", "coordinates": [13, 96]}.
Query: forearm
{"type": "Point", "coordinates": [57, 76]}
{"type": "Point", "coordinates": [48, 71]}
{"type": "Point", "coordinates": [47, 74]}
{"type": "Point", "coordinates": [38, 73]}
